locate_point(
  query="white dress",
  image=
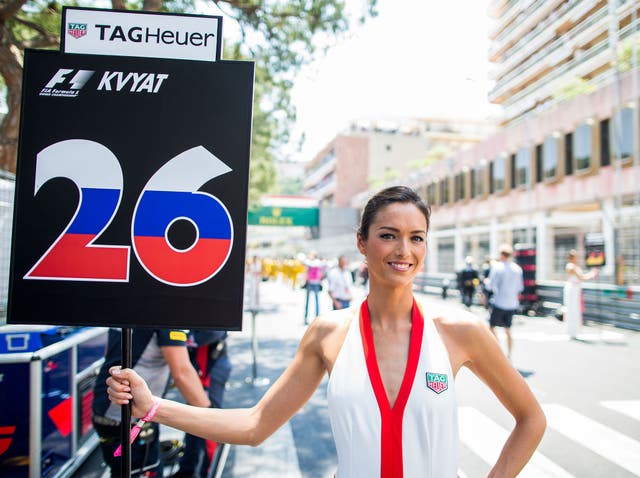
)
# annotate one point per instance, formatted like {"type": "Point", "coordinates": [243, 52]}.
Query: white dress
{"type": "Point", "coordinates": [418, 436]}
{"type": "Point", "coordinates": [572, 299]}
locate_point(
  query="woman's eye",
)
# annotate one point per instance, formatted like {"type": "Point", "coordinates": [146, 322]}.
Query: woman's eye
{"type": "Point", "coordinates": [418, 239]}
{"type": "Point", "coordinates": [386, 236]}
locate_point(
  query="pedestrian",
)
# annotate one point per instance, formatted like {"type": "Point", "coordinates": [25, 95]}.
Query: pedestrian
{"type": "Point", "coordinates": [486, 290]}
{"type": "Point", "coordinates": [254, 276]}
{"type": "Point", "coordinates": [340, 285]}
{"type": "Point", "coordinates": [391, 363]}
{"type": "Point", "coordinates": [314, 274]}
{"type": "Point", "coordinates": [208, 354]}
{"type": "Point", "coordinates": [155, 354]}
{"type": "Point", "coordinates": [469, 280]}
{"type": "Point", "coordinates": [506, 282]}
{"type": "Point", "coordinates": [572, 293]}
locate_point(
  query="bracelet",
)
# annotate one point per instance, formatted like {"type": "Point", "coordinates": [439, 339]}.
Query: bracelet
{"type": "Point", "coordinates": [135, 431]}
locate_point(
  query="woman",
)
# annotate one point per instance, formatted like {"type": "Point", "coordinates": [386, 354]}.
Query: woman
{"type": "Point", "coordinates": [572, 294]}
{"type": "Point", "coordinates": [391, 364]}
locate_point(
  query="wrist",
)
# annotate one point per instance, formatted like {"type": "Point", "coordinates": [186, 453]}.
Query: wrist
{"type": "Point", "coordinates": [152, 411]}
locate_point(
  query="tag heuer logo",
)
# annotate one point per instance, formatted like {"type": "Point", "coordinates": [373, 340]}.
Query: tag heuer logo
{"type": "Point", "coordinates": [437, 382]}
{"type": "Point", "coordinates": [77, 30]}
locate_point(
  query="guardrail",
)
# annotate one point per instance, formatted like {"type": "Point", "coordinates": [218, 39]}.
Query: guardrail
{"type": "Point", "coordinates": [604, 303]}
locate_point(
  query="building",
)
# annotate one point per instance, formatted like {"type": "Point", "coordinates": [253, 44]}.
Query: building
{"type": "Point", "coordinates": [372, 152]}
{"type": "Point", "coordinates": [563, 166]}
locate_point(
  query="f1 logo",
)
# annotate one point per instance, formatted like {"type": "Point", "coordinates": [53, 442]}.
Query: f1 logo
{"type": "Point", "coordinates": [77, 82]}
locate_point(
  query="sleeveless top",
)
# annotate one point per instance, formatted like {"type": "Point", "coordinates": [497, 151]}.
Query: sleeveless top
{"type": "Point", "coordinates": [418, 437]}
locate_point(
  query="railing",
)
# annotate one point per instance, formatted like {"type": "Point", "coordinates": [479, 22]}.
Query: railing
{"type": "Point", "coordinates": [534, 60]}
{"type": "Point", "coordinates": [510, 106]}
{"type": "Point", "coordinates": [603, 303]}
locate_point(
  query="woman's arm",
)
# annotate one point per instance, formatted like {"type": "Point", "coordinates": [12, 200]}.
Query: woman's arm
{"type": "Point", "coordinates": [249, 426]}
{"type": "Point", "coordinates": [489, 363]}
{"type": "Point", "coordinates": [574, 269]}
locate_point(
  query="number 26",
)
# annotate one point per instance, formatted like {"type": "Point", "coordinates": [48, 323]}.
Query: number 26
{"type": "Point", "coordinates": [170, 195]}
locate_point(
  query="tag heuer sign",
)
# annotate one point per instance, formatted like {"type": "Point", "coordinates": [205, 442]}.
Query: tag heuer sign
{"type": "Point", "coordinates": [437, 382]}
{"type": "Point", "coordinates": [77, 30]}
{"type": "Point", "coordinates": [143, 34]}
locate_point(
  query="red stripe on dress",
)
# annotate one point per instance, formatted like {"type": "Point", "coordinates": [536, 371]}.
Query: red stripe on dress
{"type": "Point", "coordinates": [391, 463]}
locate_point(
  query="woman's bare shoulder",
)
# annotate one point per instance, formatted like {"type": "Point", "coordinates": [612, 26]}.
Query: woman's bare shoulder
{"type": "Point", "coordinates": [327, 333]}
{"type": "Point", "coordinates": [331, 323]}
{"type": "Point", "coordinates": [454, 322]}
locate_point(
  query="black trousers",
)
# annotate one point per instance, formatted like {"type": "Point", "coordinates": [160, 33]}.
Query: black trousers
{"type": "Point", "coordinates": [145, 450]}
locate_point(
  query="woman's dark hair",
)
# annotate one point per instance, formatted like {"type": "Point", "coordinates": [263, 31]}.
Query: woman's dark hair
{"type": "Point", "coordinates": [382, 199]}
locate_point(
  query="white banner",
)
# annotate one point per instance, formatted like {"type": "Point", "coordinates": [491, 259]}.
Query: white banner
{"type": "Point", "coordinates": [142, 34]}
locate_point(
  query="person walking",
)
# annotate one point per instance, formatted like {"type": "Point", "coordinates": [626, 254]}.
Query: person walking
{"type": "Point", "coordinates": [391, 363]}
{"type": "Point", "coordinates": [315, 271]}
{"type": "Point", "coordinates": [469, 280]}
{"type": "Point", "coordinates": [340, 285]}
{"type": "Point", "coordinates": [572, 293]}
{"type": "Point", "coordinates": [506, 282]}
{"type": "Point", "coordinates": [156, 354]}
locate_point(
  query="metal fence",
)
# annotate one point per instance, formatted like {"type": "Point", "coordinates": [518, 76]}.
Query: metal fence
{"type": "Point", "coordinates": [7, 186]}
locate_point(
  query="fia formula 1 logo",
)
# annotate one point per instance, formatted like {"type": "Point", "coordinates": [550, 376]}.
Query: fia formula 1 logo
{"type": "Point", "coordinates": [66, 82]}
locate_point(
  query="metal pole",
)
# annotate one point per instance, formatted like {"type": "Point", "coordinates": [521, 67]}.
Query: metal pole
{"type": "Point", "coordinates": [35, 422]}
{"type": "Point", "coordinates": [125, 424]}
{"type": "Point", "coordinates": [636, 130]}
{"type": "Point", "coordinates": [617, 130]}
{"type": "Point", "coordinates": [254, 346]}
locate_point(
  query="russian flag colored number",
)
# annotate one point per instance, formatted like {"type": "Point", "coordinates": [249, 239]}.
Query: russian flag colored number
{"type": "Point", "coordinates": [170, 195]}
{"type": "Point", "coordinates": [166, 198]}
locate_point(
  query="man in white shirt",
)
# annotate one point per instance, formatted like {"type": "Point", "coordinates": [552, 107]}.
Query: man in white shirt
{"type": "Point", "coordinates": [340, 284]}
{"type": "Point", "coordinates": [506, 283]}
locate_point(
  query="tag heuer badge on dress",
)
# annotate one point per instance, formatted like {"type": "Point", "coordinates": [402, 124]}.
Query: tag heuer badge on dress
{"type": "Point", "coordinates": [437, 382]}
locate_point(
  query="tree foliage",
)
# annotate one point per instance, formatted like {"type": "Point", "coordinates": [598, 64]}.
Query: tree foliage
{"type": "Point", "coordinates": [279, 35]}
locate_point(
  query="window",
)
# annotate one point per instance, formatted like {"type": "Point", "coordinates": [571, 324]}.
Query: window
{"type": "Point", "coordinates": [522, 166]}
{"type": "Point", "coordinates": [538, 163]}
{"type": "Point", "coordinates": [472, 182]}
{"type": "Point", "coordinates": [446, 254]}
{"type": "Point", "coordinates": [431, 193]}
{"type": "Point", "coordinates": [550, 156]}
{"type": "Point", "coordinates": [582, 147]}
{"type": "Point", "coordinates": [499, 174]}
{"type": "Point", "coordinates": [622, 134]}
{"type": "Point", "coordinates": [568, 154]}
{"type": "Point", "coordinates": [445, 198]}
{"type": "Point", "coordinates": [605, 141]}
{"type": "Point", "coordinates": [478, 179]}
{"type": "Point", "coordinates": [512, 163]}
{"type": "Point", "coordinates": [459, 191]}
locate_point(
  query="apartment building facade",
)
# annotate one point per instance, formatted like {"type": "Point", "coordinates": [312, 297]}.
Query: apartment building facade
{"type": "Point", "coordinates": [563, 166]}
{"type": "Point", "coordinates": [372, 152]}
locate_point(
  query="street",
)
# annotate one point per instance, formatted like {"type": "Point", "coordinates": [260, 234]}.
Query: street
{"type": "Point", "coordinates": [588, 388]}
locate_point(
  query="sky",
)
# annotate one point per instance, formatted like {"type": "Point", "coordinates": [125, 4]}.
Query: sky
{"type": "Point", "coordinates": [418, 58]}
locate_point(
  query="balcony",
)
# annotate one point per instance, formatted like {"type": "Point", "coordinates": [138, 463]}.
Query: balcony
{"type": "Point", "coordinates": [536, 15]}
{"type": "Point", "coordinates": [325, 168]}
{"type": "Point", "coordinates": [598, 55]}
{"type": "Point", "coordinates": [553, 54]}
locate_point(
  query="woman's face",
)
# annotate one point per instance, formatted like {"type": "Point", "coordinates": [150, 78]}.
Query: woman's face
{"type": "Point", "coordinates": [396, 245]}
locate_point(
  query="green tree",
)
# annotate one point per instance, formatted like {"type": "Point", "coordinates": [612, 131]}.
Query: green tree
{"type": "Point", "coordinates": [573, 88]}
{"type": "Point", "coordinates": [279, 35]}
